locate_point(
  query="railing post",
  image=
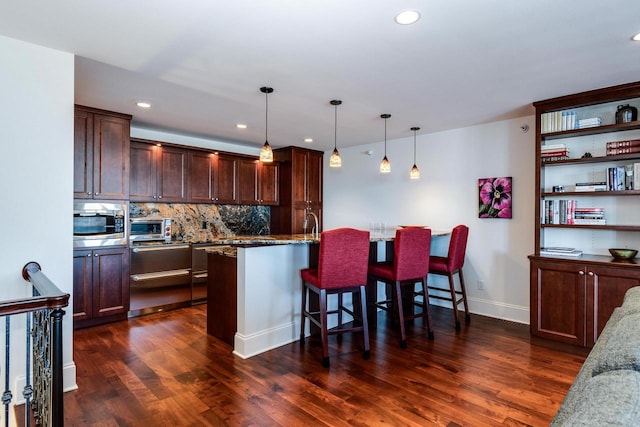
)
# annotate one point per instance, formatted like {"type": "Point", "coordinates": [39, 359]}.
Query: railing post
{"type": "Point", "coordinates": [57, 398]}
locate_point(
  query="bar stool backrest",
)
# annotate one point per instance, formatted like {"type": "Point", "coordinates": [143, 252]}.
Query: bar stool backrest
{"type": "Point", "coordinates": [411, 253]}
{"type": "Point", "coordinates": [457, 247]}
{"type": "Point", "coordinates": [343, 258]}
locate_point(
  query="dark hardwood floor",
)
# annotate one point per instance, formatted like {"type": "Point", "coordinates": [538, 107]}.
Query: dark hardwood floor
{"type": "Point", "coordinates": [164, 370]}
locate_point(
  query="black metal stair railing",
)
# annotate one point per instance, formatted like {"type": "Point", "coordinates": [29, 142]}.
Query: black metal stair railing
{"type": "Point", "coordinates": [43, 392]}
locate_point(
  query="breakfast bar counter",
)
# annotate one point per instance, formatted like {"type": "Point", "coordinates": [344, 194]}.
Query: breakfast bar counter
{"type": "Point", "coordinates": [266, 289]}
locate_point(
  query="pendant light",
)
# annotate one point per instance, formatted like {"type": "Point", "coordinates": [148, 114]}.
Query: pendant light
{"type": "Point", "coordinates": [335, 161]}
{"type": "Point", "coordinates": [266, 153]}
{"type": "Point", "coordinates": [415, 172]}
{"type": "Point", "coordinates": [385, 166]}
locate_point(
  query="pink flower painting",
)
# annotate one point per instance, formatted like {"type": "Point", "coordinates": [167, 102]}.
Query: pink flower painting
{"type": "Point", "coordinates": [494, 195]}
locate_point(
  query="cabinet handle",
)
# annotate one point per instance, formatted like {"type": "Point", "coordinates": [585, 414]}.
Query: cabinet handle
{"type": "Point", "coordinates": [95, 194]}
{"type": "Point", "coordinates": [591, 273]}
{"type": "Point", "coordinates": [88, 193]}
{"type": "Point", "coordinates": [95, 255]}
{"type": "Point", "coordinates": [88, 255]}
{"type": "Point", "coordinates": [154, 197]}
{"type": "Point", "coordinates": [159, 197]}
{"type": "Point", "coordinates": [581, 273]}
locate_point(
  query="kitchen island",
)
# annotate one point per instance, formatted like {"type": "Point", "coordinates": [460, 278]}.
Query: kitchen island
{"type": "Point", "coordinates": [267, 287]}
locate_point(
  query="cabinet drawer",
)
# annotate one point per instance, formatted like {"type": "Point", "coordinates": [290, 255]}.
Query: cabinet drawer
{"type": "Point", "coordinates": [150, 259]}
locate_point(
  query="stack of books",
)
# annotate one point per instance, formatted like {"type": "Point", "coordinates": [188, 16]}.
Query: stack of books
{"type": "Point", "coordinates": [589, 216]}
{"type": "Point", "coordinates": [589, 123]}
{"type": "Point", "coordinates": [560, 251]}
{"type": "Point", "coordinates": [558, 121]}
{"type": "Point", "coordinates": [554, 152]}
{"type": "Point", "coordinates": [591, 186]}
{"type": "Point", "coordinates": [623, 147]}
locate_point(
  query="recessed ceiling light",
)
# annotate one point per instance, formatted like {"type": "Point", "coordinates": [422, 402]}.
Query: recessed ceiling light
{"type": "Point", "coordinates": [407, 17]}
{"type": "Point", "coordinates": [142, 104]}
{"type": "Point", "coordinates": [636, 37]}
{"type": "Point", "coordinates": [308, 140]}
{"type": "Point", "coordinates": [241, 126]}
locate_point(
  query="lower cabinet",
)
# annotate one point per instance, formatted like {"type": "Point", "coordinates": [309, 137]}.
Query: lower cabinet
{"type": "Point", "coordinates": [100, 286]}
{"type": "Point", "coordinates": [571, 300]}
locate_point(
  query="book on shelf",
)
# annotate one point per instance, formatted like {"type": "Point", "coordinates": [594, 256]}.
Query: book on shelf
{"type": "Point", "coordinates": [591, 186]}
{"type": "Point", "coordinates": [616, 178]}
{"type": "Point", "coordinates": [553, 147]}
{"type": "Point", "coordinates": [590, 122]}
{"type": "Point", "coordinates": [623, 150]}
{"type": "Point", "coordinates": [557, 121]}
{"type": "Point", "coordinates": [573, 253]}
{"type": "Point", "coordinates": [586, 221]}
{"type": "Point", "coordinates": [623, 144]}
{"type": "Point", "coordinates": [545, 159]}
{"type": "Point", "coordinates": [636, 176]}
{"type": "Point", "coordinates": [558, 249]}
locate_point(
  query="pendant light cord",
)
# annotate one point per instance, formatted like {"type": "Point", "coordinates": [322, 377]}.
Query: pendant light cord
{"type": "Point", "coordinates": [335, 128]}
{"type": "Point", "coordinates": [266, 115]}
{"type": "Point", "coordinates": [385, 137]}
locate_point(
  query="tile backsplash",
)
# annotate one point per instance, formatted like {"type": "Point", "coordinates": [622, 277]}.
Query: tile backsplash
{"type": "Point", "coordinates": [203, 222]}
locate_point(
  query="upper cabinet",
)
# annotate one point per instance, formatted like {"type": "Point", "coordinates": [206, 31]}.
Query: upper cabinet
{"type": "Point", "coordinates": [258, 182]}
{"type": "Point", "coordinates": [101, 154]}
{"type": "Point", "coordinates": [300, 190]}
{"type": "Point", "coordinates": [213, 178]}
{"type": "Point", "coordinates": [158, 173]}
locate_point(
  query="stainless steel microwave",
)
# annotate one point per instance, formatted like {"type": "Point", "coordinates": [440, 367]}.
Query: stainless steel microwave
{"type": "Point", "coordinates": [99, 223]}
{"type": "Point", "coordinates": [148, 229]}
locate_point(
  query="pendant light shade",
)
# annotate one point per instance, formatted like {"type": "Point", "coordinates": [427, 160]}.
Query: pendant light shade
{"type": "Point", "coordinates": [385, 165]}
{"type": "Point", "coordinates": [415, 172]}
{"type": "Point", "coordinates": [266, 153]}
{"type": "Point", "coordinates": [335, 161]}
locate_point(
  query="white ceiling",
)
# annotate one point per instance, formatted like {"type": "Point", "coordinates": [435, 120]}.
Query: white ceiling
{"type": "Point", "coordinates": [201, 62]}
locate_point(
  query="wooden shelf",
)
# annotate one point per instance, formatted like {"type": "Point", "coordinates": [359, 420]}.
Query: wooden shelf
{"type": "Point", "coordinates": [591, 131]}
{"type": "Point", "coordinates": [594, 227]}
{"type": "Point", "coordinates": [601, 159]}
{"type": "Point", "coordinates": [592, 193]}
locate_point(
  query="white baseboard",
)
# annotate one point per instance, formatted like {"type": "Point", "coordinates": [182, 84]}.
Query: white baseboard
{"type": "Point", "coordinates": [69, 381]}
{"type": "Point", "coordinates": [247, 346]}
{"type": "Point", "coordinates": [498, 310]}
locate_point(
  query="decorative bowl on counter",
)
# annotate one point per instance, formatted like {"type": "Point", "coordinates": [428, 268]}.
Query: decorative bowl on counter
{"type": "Point", "coordinates": [623, 253]}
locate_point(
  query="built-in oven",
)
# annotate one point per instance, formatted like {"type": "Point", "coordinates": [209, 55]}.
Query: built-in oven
{"type": "Point", "coordinates": [149, 229]}
{"type": "Point", "coordinates": [99, 223]}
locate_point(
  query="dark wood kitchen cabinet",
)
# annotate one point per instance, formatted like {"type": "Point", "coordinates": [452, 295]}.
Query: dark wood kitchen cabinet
{"type": "Point", "coordinates": [258, 182]}
{"type": "Point", "coordinates": [300, 190]}
{"type": "Point", "coordinates": [101, 154]}
{"type": "Point", "coordinates": [222, 297]}
{"type": "Point", "coordinates": [158, 173]}
{"type": "Point", "coordinates": [213, 178]}
{"type": "Point", "coordinates": [100, 286]}
{"type": "Point", "coordinates": [572, 300]}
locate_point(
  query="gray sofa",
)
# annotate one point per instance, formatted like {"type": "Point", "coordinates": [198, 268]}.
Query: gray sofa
{"type": "Point", "coordinates": [606, 391]}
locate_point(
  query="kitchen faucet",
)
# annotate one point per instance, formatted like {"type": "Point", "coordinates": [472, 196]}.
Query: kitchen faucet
{"type": "Point", "coordinates": [315, 230]}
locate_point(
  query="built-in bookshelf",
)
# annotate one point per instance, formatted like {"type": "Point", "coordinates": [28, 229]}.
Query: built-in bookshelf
{"type": "Point", "coordinates": [587, 200]}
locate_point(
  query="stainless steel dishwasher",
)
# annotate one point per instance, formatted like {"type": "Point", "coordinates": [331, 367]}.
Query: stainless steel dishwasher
{"type": "Point", "coordinates": [160, 278]}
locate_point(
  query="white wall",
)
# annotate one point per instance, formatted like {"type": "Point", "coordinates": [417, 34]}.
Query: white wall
{"type": "Point", "coordinates": [36, 174]}
{"type": "Point", "coordinates": [451, 162]}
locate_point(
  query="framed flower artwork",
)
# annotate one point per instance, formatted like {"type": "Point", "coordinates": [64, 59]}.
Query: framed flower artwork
{"type": "Point", "coordinates": [494, 197]}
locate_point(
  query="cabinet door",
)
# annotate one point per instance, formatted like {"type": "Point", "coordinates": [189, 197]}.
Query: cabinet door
{"type": "Point", "coordinates": [110, 282]}
{"type": "Point", "coordinates": [314, 178]}
{"type": "Point", "coordinates": [248, 181]}
{"type": "Point", "coordinates": [110, 157]}
{"type": "Point", "coordinates": [83, 155]}
{"type": "Point", "coordinates": [82, 284]}
{"type": "Point", "coordinates": [172, 175]}
{"type": "Point", "coordinates": [225, 180]}
{"type": "Point", "coordinates": [299, 176]}
{"type": "Point", "coordinates": [606, 288]}
{"type": "Point", "coordinates": [268, 184]}
{"type": "Point", "coordinates": [201, 177]}
{"type": "Point", "coordinates": [143, 172]}
{"type": "Point", "coordinates": [558, 292]}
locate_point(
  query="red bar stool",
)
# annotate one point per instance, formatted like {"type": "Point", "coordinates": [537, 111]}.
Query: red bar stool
{"type": "Point", "coordinates": [342, 268]}
{"type": "Point", "coordinates": [410, 265]}
{"type": "Point", "coordinates": [450, 265]}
